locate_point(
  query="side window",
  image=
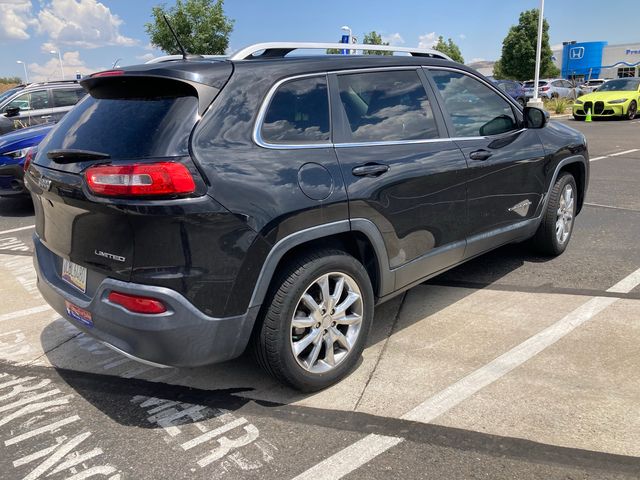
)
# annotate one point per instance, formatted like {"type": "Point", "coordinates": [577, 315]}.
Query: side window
{"type": "Point", "coordinates": [67, 97]}
{"type": "Point", "coordinates": [474, 108]}
{"type": "Point", "coordinates": [298, 113]}
{"type": "Point", "coordinates": [387, 106]}
{"type": "Point", "coordinates": [30, 101]}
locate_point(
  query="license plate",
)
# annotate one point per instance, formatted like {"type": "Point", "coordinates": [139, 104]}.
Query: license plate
{"type": "Point", "coordinates": [74, 275]}
{"type": "Point", "coordinates": [79, 314]}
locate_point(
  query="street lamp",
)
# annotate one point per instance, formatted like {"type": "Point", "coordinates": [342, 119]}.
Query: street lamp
{"type": "Point", "coordinates": [535, 101]}
{"type": "Point", "coordinates": [26, 75]}
{"type": "Point", "coordinates": [53, 52]}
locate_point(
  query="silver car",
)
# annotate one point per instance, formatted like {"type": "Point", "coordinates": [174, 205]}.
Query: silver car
{"type": "Point", "coordinates": [551, 88]}
{"type": "Point", "coordinates": [590, 86]}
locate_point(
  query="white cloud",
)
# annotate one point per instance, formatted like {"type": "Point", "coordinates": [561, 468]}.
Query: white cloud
{"type": "Point", "coordinates": [428, 40]}
{"type": "Point", "coordinates": [557, 46]}
{"type": "Point", "coordinates": [146, 57]}
{"type": "Point", "coordinates": [393, 39]}
{"type": "Point", "coordinates": [85, 24]}
{"type": "Point", "coordinates": [71, 63]}
{"type": "Point", "coordinates": [462, 36]}
{"type": "Point", "coordinates": [477, 59]}
{"type": "Point", "coordinates": [16, 17]}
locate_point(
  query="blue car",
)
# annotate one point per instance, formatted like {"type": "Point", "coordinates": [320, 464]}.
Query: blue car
{"type": "Point", "coordinates": [513, 89]}
{"type": "Point", "coordinates": [14, 149]}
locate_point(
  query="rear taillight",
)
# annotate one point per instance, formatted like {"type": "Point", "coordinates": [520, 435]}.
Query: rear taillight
{"type": "Point", "coordinates": [140, 179]}
{"type": "Point", "coordinates": [137, 304]}
{"type": "Point", "coordinates": [27, 159]}
{"type": "Point", "coordinates": [108, 73]}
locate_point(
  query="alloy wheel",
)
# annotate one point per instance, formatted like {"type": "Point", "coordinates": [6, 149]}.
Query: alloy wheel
{"type": "Point", "coordinates": [327, 322]}
{"type": "Point", "coordinates": [564, 219]}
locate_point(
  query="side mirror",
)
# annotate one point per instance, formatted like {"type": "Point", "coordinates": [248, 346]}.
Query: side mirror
{"type": "Point", "coordinates": [12, 112]}
{"type": "Point", "coordinates": [535, 118]}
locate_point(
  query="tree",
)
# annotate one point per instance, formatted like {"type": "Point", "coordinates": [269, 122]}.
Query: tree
{"type": "Point", "coordinates": [518, 59]}
{"type": "Point", "coordinates": [449, 48]}
{"type": "Point", "coordinates": [374, 38]}
{"type": "Point", "coordinates": [201, 26]}
{"type": "Point", "coordinates": [6, 80]}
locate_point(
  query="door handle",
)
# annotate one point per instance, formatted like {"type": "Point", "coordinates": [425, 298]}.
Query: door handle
{"type": "Point", "coordinates": [46, 116]}
{"type": "Point", "coordinates": [480, 155]}
{"type": "Point", "coordinates": [370, 170]}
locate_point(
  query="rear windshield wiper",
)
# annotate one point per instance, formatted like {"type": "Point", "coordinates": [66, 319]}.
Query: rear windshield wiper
{"type": "Point", "coordinates": [72, 155]}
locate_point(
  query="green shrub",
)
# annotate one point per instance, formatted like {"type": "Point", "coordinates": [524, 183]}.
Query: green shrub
{"type": "Point", "coordinates": [557, 105]}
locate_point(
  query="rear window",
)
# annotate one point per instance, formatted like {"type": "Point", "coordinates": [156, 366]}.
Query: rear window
{"type": "Point", "coordinates": [133, 118]}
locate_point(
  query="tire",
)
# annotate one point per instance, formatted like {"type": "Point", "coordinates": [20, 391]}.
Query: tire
{"type": "Point", "coordinates": [632, 110]}
{"type": "Point", "coordinates": [274, 338]}
{"type": "Point", "coordinates": [521, 102]}
{"type": "Point", "coordinates": [547, 240]}
{"type": "Point", "coordinates": [555, 95]}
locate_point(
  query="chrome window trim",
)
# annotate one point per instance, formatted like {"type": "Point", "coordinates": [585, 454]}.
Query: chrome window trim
{"type": "Point", "coordinates": [257, 135]}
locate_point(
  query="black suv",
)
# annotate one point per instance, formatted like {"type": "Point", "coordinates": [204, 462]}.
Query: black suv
{"type": "Point", "coordinates": [187, 209]}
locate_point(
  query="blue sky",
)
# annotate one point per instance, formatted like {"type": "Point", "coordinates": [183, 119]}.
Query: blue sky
{"type": "Point", "coordinates": [92, 34]}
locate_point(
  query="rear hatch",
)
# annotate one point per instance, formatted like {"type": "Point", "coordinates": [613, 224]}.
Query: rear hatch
{"type": "Point", "coordinates": [138, 116]}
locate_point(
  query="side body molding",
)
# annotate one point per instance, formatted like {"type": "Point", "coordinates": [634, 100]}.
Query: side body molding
{"type": "Point", "coordinates": [321, 231]}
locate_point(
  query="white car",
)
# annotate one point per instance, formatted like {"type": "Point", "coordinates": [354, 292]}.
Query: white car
{"type": "Point", "coordinates": [590, 86]}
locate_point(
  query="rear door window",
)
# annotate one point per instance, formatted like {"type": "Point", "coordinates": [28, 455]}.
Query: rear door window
{"type": "Point", "coordinates": [67, 97]}
{"type": "Point", "coordinates": [386, 106]}
{"type": "Point", "coordinates": [474, 108]}
{"type": "Point", "coordinates": [298, 113]}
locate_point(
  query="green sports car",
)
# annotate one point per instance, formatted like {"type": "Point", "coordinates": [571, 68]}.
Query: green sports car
{"type": "Point", "coordinates": [615, 98]}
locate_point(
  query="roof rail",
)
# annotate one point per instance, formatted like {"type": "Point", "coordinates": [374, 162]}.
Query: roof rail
{"type": "Point", "coordinates": [49, 82]}
{"type": "Point", "coordinates": [280, 49]}
{"type": "Point", "coordinates": [170, 58]}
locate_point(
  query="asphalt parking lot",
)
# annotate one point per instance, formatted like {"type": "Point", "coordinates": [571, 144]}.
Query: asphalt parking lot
{"type": "Point", "coordinates": [510, 366]}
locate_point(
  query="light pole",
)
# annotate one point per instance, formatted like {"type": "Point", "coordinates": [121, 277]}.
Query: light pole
{"type": "Point", "coordinates": [115, 64]}
{"type": "Point", "coordinates": [346, 28]}
{"type": "Point", "coordinates": [26, 75]}
{"type": "Point", "coordinates": [535, 101]}
{"type": "Point", "coordinates": [53, 52]}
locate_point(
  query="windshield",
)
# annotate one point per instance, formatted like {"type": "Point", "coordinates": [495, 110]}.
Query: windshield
{"type": "Point", "coordinates": [621, 85]}
{"type": "Point", "coordinates": [8, 93]}
{"type": "Point", "coordinates": [541, 83]}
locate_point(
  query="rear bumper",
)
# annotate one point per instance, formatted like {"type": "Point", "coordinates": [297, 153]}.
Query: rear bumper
{"type": "Point", "coordinates": [183, 336]}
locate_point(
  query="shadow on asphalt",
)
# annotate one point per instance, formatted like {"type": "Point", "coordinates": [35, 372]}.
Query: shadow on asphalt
{"type": "Point", "coordinates": [16, 207]}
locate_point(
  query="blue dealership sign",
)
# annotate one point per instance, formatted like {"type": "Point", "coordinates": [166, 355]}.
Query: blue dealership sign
{"type": "Point", "coordinates": [583, 58]}
{"type": "Point", "coordinates": [345, 39]}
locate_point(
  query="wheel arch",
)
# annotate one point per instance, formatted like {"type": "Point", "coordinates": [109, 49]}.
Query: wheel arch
{"type": "Point", "coordinates": [577, 167]}
{"type": "Point", "coordinates": [358, 237]}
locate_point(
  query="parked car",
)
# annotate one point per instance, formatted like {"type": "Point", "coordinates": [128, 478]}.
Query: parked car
{"type": "Point", "coordinates": [15, 148]}
{"type": "Point", "coordinates": [589, 86]}
{"type": "Point", "coordinates": [38, 103]}
{"type": "Point", "coordinates": [551, 88]}
{"type": "Point", "coordinates": [514, 89]}
{"type": "Point", "coordinates": [280, 198]}
{"type": "Point", "coordinates": [615, 98]}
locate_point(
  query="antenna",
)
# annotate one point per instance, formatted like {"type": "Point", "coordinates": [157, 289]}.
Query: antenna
{"type": "Point", "coordinates": [184, 52]}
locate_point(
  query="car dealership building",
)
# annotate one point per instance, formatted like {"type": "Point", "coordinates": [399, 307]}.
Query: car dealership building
{"type": "Point", "coordinates": [584, 60]}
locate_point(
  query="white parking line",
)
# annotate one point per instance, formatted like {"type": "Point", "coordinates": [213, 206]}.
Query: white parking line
{"type": "Point", "coordinates": [617, 154]}
{"type": "Point", "coordinates": [369, 447]}
{"type": "Point", "coordinates": [17, 229]}
{"type": "Point", "coordinates": [624, 153]}
{"type": "Point", "coordinates": [24, 313]}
